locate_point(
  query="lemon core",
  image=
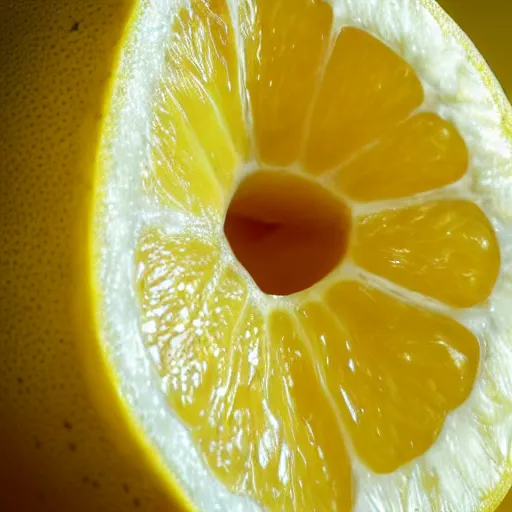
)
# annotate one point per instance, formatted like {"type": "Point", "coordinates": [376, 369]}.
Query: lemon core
{"type": "Point", "coordinates": [288, 232]}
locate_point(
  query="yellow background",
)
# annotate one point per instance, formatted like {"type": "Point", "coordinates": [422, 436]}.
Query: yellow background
{"type": "Point", "coordinates": [489, 25]}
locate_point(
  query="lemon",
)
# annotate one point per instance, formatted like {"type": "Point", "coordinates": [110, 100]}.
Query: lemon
{"type": "Point", "coordinates": [264, 266]}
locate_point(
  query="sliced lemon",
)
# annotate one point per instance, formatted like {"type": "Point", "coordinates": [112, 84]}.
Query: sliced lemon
{"type": "Point", "coordinates": [286, 286]}
{"type": "Point", "coordinates": [305, 204]}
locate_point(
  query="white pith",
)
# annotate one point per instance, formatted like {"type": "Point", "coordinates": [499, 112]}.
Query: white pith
{"type": "Point", "coordinates": [474, 449]}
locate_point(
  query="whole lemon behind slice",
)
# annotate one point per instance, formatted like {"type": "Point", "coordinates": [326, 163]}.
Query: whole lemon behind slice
{"type": "Point", "coordinates": [264, 263]}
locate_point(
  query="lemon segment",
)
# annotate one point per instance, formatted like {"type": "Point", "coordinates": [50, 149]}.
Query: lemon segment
{"type": "Point", "coordinates": [446, 250]}
{"type": "Point", "coordinates": [181, 173]}
{"type": "Point", "coordinates": [420, 154]}
{"type": "Point", "coordinates": [286, 44]}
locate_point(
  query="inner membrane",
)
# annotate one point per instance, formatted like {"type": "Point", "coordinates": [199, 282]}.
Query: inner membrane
{"type": "Point", "coordinates": [279, 402]}
{"type": "Point", "coordinates": [287, 231]}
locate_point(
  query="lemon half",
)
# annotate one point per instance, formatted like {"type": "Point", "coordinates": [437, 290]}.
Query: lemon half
{"type": "Point", "coordinates": [290, 281]}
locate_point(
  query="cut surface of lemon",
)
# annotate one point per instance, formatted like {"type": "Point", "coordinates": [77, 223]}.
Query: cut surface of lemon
{"type": "Point", "coordinates": [302, 254]}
